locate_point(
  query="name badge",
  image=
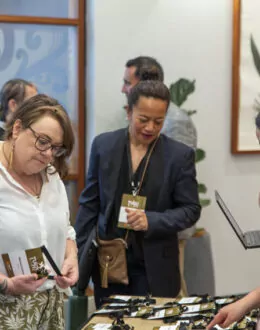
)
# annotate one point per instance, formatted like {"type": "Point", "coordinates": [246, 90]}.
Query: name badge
{"type": "Point", "coordinates": [23, 262]}
{"type": "Point", "coordinates": [129, 202]}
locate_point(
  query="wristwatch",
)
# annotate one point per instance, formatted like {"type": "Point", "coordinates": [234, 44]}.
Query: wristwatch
{"type": "Point", "coordinates": [3, 286]}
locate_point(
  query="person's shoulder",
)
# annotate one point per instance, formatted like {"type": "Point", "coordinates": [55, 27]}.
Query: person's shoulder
{"type": "Point", "coordinates": [111, 134]}
{"type": "Point", "coordinates": [108, 137]}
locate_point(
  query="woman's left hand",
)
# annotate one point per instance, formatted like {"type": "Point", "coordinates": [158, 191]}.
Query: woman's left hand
{"type": "Point", "coordinates": [70, 272]}
{"type": "Point", "coordinates": [137, 219]}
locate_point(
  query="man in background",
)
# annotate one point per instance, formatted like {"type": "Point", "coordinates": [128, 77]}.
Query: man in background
{"type": "Point", "coordinates": [178, 126]}
{"type": "Point", "coordinates": [141, 68]}
{"type": "Point", "coordinates": [12, 94]}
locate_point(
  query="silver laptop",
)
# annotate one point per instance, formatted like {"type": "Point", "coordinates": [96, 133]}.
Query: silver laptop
{"type": "Point", "coordinates": [250, 239]}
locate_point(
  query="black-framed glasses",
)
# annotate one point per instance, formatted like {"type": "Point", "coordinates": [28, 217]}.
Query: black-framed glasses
{"type": "Point", "coordinates": [43, 143]}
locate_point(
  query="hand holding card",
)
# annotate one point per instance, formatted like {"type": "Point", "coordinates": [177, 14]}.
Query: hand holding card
{"type": "Point", "coordinates": [137, 219]}
{"type": "Point", "coordinates": [23, 284]}
{"type": "Point", "coordinates": [51, 261]}
{"type": "Point", "coordinates": [130, 202]}
{"type": "Point", "coordinates": [70, 273]}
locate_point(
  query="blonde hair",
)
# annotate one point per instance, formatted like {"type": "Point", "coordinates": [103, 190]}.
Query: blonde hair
{"type": "Point", "coordinates": [37, 107]}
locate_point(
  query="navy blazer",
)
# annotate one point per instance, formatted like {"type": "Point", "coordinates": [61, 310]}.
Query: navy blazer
{"type": "Point", "coordinates": [173, 186]}
{"type": "Point", "coordinates": [2, 133]}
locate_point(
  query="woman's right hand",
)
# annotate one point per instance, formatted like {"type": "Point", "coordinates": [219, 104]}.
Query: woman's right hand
{"type": "Point", "coordinates": [23, 284]}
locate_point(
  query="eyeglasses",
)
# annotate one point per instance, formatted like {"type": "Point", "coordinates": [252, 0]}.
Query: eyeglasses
{"type": "Point", "coordinates": [43, 144]}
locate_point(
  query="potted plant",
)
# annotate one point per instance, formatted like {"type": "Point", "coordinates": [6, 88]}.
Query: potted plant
{"type": "Point", "coordinates": [179, 91]}
{"type": "Point", "coordinates": [198, 261]}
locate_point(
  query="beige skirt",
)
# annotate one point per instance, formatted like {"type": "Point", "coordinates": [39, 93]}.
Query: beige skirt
{"type": "Point", "coordinates": [37, 311]}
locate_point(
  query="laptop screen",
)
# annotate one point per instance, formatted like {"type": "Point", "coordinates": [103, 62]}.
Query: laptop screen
{"type": "Point", "coordinates": [229, 216]}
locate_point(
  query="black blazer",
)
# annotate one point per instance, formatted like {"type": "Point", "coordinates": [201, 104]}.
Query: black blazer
{"type": "Point", "coordinates": [2, 133]}
{"type": "Point", "coordinates": [173, 186]}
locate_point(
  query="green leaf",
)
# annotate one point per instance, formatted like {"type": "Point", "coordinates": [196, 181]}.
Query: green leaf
{"type": "Point", "coordinates": [204, 202]}
{"type": "Point", "coordinates": [191, 112]}
{"type": "Point", "coordinates": [202, 189]}
{"type": "Point", "coordinates": [255, 53]}
{"type": "Point", "coordinates": [200, 154]}
{"type": "Point", "coordinates": [180, 90]}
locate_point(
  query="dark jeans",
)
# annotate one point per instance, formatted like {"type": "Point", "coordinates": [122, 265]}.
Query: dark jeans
{"type": "Point", "coordinates": [138, 286]}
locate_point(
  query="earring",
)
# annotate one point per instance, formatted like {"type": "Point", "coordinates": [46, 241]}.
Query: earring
{"type": "Point", "coordinates": [11, 157]}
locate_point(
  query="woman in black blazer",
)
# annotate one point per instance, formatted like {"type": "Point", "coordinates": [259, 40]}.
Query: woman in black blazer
{"type": "Point", "coordinates": [119, 161]}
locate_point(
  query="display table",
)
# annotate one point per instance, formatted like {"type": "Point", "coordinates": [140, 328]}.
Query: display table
{"type": "Point", "coordinates": [138, 323]}
{"type": "Point", "coordinates": [196, 310]}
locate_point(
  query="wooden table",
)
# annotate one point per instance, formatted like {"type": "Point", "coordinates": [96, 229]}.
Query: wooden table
{"type": "Point", "coordinates": [138, 323]}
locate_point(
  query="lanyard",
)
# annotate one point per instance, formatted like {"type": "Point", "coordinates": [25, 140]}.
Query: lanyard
{"type": "Point", "coordinates": [136, 187]}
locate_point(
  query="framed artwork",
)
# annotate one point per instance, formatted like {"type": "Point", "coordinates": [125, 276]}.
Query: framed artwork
{"type": "Point", "coordinates": [246, 76]}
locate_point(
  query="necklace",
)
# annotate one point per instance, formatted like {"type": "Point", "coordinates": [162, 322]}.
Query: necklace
{"type": "Point", "coordinates": [33, 189]}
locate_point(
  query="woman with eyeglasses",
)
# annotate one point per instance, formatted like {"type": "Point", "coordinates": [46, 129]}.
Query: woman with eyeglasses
{"type": "Point", "coordinates": [34, 212]}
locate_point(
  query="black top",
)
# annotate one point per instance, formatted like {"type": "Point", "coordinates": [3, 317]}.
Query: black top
{"type": "Point", "coordinates": [135, 238]}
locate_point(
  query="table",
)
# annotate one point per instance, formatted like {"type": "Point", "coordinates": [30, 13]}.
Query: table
{"type": "Point", "coordinates": [145, 324]}
{"type": "Point", "coordinates": [138, 323]}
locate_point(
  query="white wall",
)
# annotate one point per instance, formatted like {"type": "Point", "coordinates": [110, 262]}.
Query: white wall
{"type": "Point", "coordinates": [192, 39]}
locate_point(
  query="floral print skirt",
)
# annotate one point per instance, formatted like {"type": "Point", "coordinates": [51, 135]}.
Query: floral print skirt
{"type": "Point", "coordinates": [37, 311]}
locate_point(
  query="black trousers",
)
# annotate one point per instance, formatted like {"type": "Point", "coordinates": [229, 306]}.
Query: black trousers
{"type": "Point", "coordinates": [138, 285]}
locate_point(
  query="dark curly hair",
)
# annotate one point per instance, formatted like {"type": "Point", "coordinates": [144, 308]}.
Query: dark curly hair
{"type": "Point", "coordinates": [149, 88]}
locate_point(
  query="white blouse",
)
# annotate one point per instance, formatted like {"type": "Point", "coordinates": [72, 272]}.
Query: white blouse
{"type": "Point", "coordinates": [27, 222]}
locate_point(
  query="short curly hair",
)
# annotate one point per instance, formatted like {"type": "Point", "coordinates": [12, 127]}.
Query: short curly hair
{"type": "Point", "coordinates": [149, 88]}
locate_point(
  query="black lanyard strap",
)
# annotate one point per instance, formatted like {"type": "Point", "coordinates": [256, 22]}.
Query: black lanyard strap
{"type": "Point", "coordinates": [136, 188]}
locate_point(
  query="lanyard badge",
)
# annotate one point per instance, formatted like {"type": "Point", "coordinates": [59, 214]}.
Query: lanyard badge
{"type": "Point", "coordinates": [134, 201]}
{"type": "Point", "coordinates": [130, 202]}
